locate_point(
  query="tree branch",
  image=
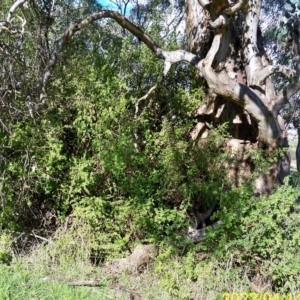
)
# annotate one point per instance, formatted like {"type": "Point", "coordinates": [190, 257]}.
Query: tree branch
{"type": "Point", "coordinates": [13, 9]}
{"type": "Point", "coordinates": [291, 89]}
{"type": "Point", "coordinates": [284, 96]}
{"type": "Point", "coordinates": [196, 236]}
{"type": "Point", "coordinates": [168, 56]}
{"type": "Point", "coordinates": [167, 67]}
{"type": "Point", "coordinates": [4, 25]}
{"type": "Point", "coordinates": [250, 40]}
{"type": "Point", "coordinates": [232, 10]}
{"type": "Point", "coordinates": [267, 71]}
{"type": "Point", "coordinates": [242, 95]}
{"type": "Point", "coordinates": [224, 19]}
{"type": "Point", "coordinates": [221, 22]}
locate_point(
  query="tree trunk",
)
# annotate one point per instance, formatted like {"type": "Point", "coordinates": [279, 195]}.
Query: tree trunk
{"type": "Point", "coordinates": [298, 155]}
{"type": "Point", "coordinates": [236, 54]}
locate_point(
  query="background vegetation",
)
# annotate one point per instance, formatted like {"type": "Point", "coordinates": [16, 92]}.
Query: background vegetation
{"type": "Point", "coordinates": [99, 170]}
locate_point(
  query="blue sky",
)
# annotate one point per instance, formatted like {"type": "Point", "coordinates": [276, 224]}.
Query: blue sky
{"type": "Point", "coordinates": [109, 4]}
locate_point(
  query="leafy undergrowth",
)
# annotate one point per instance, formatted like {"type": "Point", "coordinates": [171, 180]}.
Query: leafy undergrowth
{"type": "Point", "coordinates": [256, 249]}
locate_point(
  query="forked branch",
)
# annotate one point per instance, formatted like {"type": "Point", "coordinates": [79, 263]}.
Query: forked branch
{"type": "Point", "coordinates": [168, 56]}
{"type": "Point", "coordinates": [284, 96]}
{"type": "Point", "coordinates": [291, 89]}
{"type": "Point", "coordinates": [225, 18]}
{"type": "Point", "coordinates": [5, 25]}
{"type": "Point", "coordinates": [13, 9]}
{"type": "Point", "coordinates": [270, 70]}
{"type": "Point", "coordinates": [239, 6]}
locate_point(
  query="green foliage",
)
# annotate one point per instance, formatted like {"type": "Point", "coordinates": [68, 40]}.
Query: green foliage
{"type": "Point", "coordinates": [19, 282]}
{"type": "Point", "coordinates": [260, 234]}
{"type": "Point", "coordinates": [174, 271]}
{"type": "Point", "coordinates": [270, 230]}
{"type": "Point", "coordinates": [5, 248]}
{"type": "Point", "coordinates": [125, 168]}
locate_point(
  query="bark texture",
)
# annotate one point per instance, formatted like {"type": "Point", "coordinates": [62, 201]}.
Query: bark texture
{"type": "Point", "coordinates": [239, 84]}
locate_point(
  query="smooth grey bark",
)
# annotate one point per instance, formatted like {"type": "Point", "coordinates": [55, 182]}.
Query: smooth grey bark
{"type": "Point", "coordinates": [255, 96]}
{"type": "Point", "coordinates": [298, 154]}
{"type": "Point", "coordinates": [237, 69]}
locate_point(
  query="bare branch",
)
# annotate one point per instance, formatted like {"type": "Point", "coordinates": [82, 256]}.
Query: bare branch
{"type": "Point", "coordinates": [13, 9]}
{"type": "Point", "coordinates": [291, 89]}
{"type": "Point", "coordinates": [240, 5]}
{"type": "Point", "coordinates": [5, 28]}
{"type": "Point", "coordinates": [284, 96]}
{"type": "Point", "coordinates": [168, 56]}
{"type": "Point", "coordinates": [196, 236]}
{"type": "Point", "coordinates": [167, 67]}
{"type": "Point", "coordinates": [23, 24]}
{"type": "Point", "coordinates": [5, 25]}
{"type": "Point", "coordinates": [222, 21]}
{"type": "Point", "coordinates": [204, 3]}
{"type": "Point", "coordinates": [221, 84]}
{"type": "Point", "coordinates": [40, 237]}
{"type": "Point", "coordinates": [212, 51]}
{"type": "Point", "coordinates": [251, 51]}
{"type": "Point", "coordinates": [263, 74]}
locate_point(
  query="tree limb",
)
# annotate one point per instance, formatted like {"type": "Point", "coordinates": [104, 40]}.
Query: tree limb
{"type": "Point", "coordinates": [167, 67]}
{"type": "Point", "coordinates": [5, 25]}
{"type": "Point", "coordinates": [168, 56]}
{"type": "Point", "coordinates": [221, 84]}
{"type": "Point", "coordinates": [284, 96]}
{"type": "Point", "coordinates": [291, 89]}
{"type": "Point", "coordinates": [267, 71]}
{"type": "Point", "coordinates": [221, 22]}
{"type": "Point", "coordinates": [13, 9]}
{"type": "Point", "coordinates": [199, 235]}
{"type": "Point", "coordinates": [232, 10]}
{"type": "Point", "coordinates": [251, 51]}
{"type": "Point", "coordinates": [224, 19]}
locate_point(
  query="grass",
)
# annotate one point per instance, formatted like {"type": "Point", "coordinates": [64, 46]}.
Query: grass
{"type": "Point", "coordinates": [167, 279]}
{"type": "Point", "coordinates": [175, 278]}
{"type": "Point", "coordinates": [20, 282]}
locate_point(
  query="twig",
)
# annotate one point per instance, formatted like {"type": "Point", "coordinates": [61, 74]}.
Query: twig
{"type": "Point", "coordinates": [91, 282]}
{"type": "Point", "coordinates": [40, 237]}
